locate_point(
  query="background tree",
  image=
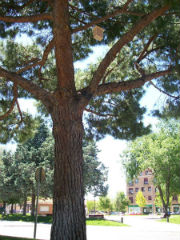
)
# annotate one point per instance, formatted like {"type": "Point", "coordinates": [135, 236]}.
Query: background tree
{"type": "Point", "coordinates": [160, 152]}
{"type": "Point", "coordinates": [121, 202]}
{"type": "Point", "coordinates": [140, 200]}
{"type": "Point", "coordinates": [9, 191]}
{"type": "Point", "coordinates": [90, 205]}
{"type": "Point", "coordinates": [105, 204]}
{"type": "Point", "coordinates": [145, 42]}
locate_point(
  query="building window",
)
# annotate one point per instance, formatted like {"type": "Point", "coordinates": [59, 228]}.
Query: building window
{"type": "Point", "coordinates": [130, 183]}
{"type": "Point", "coordinates": [149, 189]}
{"type": "Point", "coordinates": [136, 189]}
{"type": "Point", "coordinates": [131, 190]}
{"type": "Point", "coordinates": [131, 199]}
{"type": "Point", "coordinates": [146, 172]}
{"type": "Point", "coordinates": [137, 180]}
{"type": "Point", "coordinates": [141, 174]}
{"type": "Point", "coordinates": [149, 198]}
{"type": "Point", "coordinates": [143, 189]}
{"type": "Point", "coordinates": [145, 180]}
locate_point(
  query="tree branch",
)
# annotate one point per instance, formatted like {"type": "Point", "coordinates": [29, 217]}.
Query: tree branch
{"type": "Point", "coordinates": [17, 7]}
{"type": "Point", "coordinates": [128, 85]}
{"type": "Point", "coordinates": [169, 95]}
{"type": "Point", "coordinates": [45, 54]}
{"type": "Point", "coordinates": [102, 19]}
{"type": "Point", "coordinates": [146, 48]}
{"type": "Point", "coordinates": [19, 110]}
{"type": "Point", "coordinates": [34, 89]}
{"type": "Point", "coordinates": [111, 55]}
{"type": "Point", "coordinates": [23, 19]}
{"type": "Point", "coordinates": [15, 95]}
{"type": "Point", "coordinates": [32, 64]}
{"type": "Point", "coordinates": [98, 114]}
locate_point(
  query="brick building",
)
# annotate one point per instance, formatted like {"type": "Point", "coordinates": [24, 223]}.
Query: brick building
{"type": "Point", "coordinates": [144, 183]}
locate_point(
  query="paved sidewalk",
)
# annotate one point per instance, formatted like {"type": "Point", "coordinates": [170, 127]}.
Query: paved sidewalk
{"type": "Point", "coordinates": [141, 228]}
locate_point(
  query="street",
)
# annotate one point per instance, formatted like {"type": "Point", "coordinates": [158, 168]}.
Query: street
{"type": "Point", "coordinates": [140, 228]}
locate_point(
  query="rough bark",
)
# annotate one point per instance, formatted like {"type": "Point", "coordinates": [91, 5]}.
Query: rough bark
{"type": "Point", "coordinates": [68, 208]}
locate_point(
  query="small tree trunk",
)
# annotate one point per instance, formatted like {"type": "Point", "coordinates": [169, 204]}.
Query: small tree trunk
{"type": "Point", "coordinates": [25, 205]}
{"type": "Point", "coordinates": [12, 207]}
{"type": "Point", "coordinates": [33, 199]}
{"type": "Point", "coordinates": [68, 203]}
{"type": "Point", "coordinates": [4, 207]}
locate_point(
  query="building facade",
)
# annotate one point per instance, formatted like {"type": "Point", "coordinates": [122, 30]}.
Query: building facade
{"type": "Point", "coordinates": [144, 183]}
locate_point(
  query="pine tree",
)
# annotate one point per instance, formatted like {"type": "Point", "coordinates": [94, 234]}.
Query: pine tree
{"type": "Point", "coordinates": [144, 38]}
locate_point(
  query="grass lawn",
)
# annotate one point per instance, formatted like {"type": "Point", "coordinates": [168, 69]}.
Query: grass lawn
{"type": "Point", "coordinates": [13, 238]}
{"type": "Point", "coordinates": [27, 218]}
{"type": "Point", "coordinates": [101, 222]}
{"type": "Point", "coordinates": [172, 219]}
{"type": "Point", "coordinates": [48, 219]}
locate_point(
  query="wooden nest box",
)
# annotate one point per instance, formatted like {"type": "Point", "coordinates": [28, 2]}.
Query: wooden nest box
{"type": "Point", "coordinates": [98, 33]}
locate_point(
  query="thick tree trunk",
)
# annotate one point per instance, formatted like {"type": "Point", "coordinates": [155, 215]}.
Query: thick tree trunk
{"type": "Point", "coordinates": [68, 208]}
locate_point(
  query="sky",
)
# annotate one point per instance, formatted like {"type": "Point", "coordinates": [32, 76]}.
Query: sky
{"type": "Point", "coordinates": [110, 148]}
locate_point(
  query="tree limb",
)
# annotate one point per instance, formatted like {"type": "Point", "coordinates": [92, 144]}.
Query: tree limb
{"type": "Point", "coordinates": [102, 19]}
{"type": "Point", "coordinates": [169, 95]}
{"type": "Point", "coordinates": [15, 95]}
{"type": "Point", "coordinates": [19, 110]}
{"type": "Point", "coordinates": [32, 88]}
{"type": "Point", "coordinates": [98, 114]}
{"type": "Point", "coordinates": [45, 54]}
{"type": "Point", "coordinates": [111, 55]}
{"type": "Point", "coordinates": [146, 48]}
{"type": "Point", "coordinates": [128, 85]}
{"type": "Point", "coordinates": [17, 7]}
{"type": "Point", "coordinates": [23, 19]}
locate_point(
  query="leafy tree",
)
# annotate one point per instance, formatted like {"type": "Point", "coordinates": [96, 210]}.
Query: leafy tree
{"type": "Point", "coordinates": [140, 199]}
{"type": "Point", "coordinates": [144, 39]}
{"type": "Point", "coordinates": [94, 172]}
{"type": "Point", "coordinates": [90, 205]}
{"type": "Point", "coordinates": [9, 191]}
{"type": "Point", "coordinates": [121, 202]}
{"type": "Point", "coordinates": [160, 152]}
{"type": "Point", "coordinates": [105, 204]}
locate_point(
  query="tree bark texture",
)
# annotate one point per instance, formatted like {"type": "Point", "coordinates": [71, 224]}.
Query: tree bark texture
{"type": "Point", "coordinates": [68, 205]}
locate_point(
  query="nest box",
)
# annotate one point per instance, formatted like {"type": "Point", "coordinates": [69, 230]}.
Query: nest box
{"type": "Point", "coordinates": [98, 33]}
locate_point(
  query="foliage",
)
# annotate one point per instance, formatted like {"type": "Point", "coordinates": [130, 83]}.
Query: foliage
{"type": "Point", "coordinates": [159, 152]}
{"type": "Point", "coordinates": [38, 151]}
{"type": "Point", "coordinates": [90, 205]}
{"type": "Point", "coordinates": [105, 204]}
{"type": "Point", "coordinates": [140, 199]}
{"type": "Point", "coordinates": [121, 202]}
{"type": "Point", "coordinates": [95, 173]}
